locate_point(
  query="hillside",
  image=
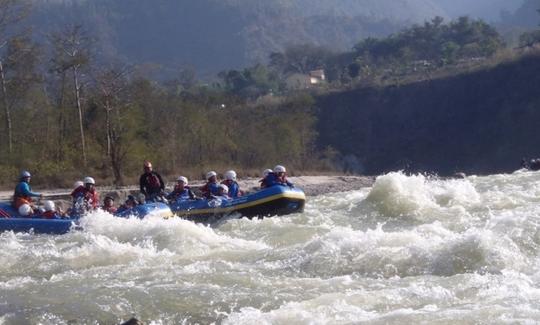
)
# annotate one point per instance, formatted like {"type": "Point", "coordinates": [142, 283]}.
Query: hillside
{"type": "Point", "coordinates": [213, 35]}
{"type": "Point", "coordinates": [480, 122]}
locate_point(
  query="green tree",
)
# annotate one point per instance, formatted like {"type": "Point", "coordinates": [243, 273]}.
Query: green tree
{"type": "Point", "coordinates": [300, 59]}
{"type": "Point", "coordinates": [251, 82]}
{"type": "Point", "coordinates": [434, 41]}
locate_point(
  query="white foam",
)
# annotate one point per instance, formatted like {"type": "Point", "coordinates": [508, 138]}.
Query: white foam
{"type": "Point", "coordinates": [428, 199]}
{"type": "Point", "coordinates": [411, 249]}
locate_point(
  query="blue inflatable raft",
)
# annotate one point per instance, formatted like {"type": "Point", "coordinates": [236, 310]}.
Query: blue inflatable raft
{"type": "Point", "coordinates": [10, 220]}
{"type": "Point", "coordinates": [273, 201]}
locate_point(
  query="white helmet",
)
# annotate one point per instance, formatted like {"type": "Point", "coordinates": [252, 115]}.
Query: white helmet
{"type": "Point", "coordinates": [49, 206]}
{"type": "Point", "coordinates": [230, 175]}
{"type": "Point", "coordinates": [225, 188]}
{"type": "Point", "coordinates": [25, 210]}
{"type": "Point", "coordinates": [183, 179]}
{"type": "Point", "coordinates": [279, 169]}
{"type": "Point", "coordinates": [89, 180]}
{"type": "Point", "coordinates": [210, 174]}
{"type": "Point", "coordinates": [25, 174]}
{"type": "Point", "coordinates": [78, 184]}
{"type": "Point", "coordinates": [266, 172]}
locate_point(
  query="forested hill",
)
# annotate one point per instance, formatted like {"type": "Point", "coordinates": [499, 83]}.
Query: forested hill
{"type": "Point", "coordinates": [212, 35]}
{"type": "Point", "coordinates": [481, 122]}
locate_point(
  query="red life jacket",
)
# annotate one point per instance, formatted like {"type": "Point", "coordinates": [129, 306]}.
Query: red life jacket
{"type": "Point", "coordinates": [49, 215]}
{"type": "Point", "coordinates": [153, 181]}
{"type": "Point", "coordinates": [92, 198]}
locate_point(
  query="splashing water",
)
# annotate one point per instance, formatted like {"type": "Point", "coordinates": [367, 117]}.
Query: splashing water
{"type": "Point", "coordinates": [410, 249]}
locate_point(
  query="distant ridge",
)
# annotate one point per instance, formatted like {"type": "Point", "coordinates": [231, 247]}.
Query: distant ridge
{"type": "Point", "coordinates": [212, 35]}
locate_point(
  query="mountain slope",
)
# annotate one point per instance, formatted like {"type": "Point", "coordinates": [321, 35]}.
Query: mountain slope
{"type": "Point", "coordinates": [217, 34]}
{"type": "Point", "coordinates": [479, 122]}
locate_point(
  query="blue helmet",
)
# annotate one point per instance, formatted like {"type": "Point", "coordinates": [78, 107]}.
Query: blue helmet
{"type": "Point", "coordinates": [25, 174]}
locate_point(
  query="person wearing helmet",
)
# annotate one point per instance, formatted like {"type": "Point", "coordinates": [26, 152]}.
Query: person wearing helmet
{"type": "Point", "coordinates": [23, 193]}
{"type": "Point", "coordinates": [90, 195]}
{"type": "Point", "coordinates": [278, 177]}
{"type": "Point", "coordinates": [232, 184]}
{"type": "Point", "coordinates": [25, 210]}
{"type": "Point", "coordinates": [130, 203]}
{"type": "Point", "coordinates": [151, 184]}
{"type": "Point", "coordinates": [222, 192]}
{"type": "Point", "coordinates": [181, 190]}
{"type": "Point", "coordinates": [211, 186]}
{"type": "Point", "coordinates": [265, 174]}
{"type": "Point", "coordinates": [108, 204]}
{"type": "Point", "coordinates": [78, 191]}
{"type": "Point", "coordinates": [50, 211]}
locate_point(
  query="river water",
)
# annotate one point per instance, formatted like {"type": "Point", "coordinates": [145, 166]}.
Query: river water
{"type": "Point", "coordinates": [410, 249]}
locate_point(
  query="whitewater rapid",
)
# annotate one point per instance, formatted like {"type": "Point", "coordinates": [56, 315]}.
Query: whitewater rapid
{"type": "Point", "coordinates": [410, 249]}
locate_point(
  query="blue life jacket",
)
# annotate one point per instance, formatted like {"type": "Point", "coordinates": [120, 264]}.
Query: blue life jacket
{"type": "Point", "coordinates": [272, 180]}
{"type": "Point", "coordinates": [213, 188]}
{"type": "Point", "coordinates": [234, 188]}
{"type": "Point", "coordinates": [184, 195]}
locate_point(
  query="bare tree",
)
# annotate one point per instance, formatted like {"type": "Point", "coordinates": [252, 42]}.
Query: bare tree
{"type": "Point", "coordinates": [7, 111]}
{"type": "Point", "coordinates": [112, 86]}
{"type": "Point", "coordinates": [11, 12]}
{"type": "Point", "coordinates": [72, 54]}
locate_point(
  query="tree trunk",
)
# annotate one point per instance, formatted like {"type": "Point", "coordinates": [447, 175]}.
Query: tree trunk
{"type": "Point", "coordinates": [117, 157]}
{"type": "Point", "coordinates": [116, 163]}
{"type": "Point", "coordinates": [61, 120]}
{"type": "Point", "coordinates": [108, 125]}
{"type": "Point", "coordinates": [6, 108]}
{"type": "Point", "coordinates": [79, 108]}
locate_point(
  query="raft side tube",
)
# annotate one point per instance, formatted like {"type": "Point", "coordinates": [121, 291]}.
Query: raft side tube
{"type": "Point", "coordinates": [273, 201]}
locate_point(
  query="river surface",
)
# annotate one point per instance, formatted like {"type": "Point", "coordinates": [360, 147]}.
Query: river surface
{"type": "Point", "coordinates": [409, 250]}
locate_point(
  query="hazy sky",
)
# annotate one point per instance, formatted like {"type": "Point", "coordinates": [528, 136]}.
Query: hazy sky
{"type": "Point", "coordinates": [487, 9]}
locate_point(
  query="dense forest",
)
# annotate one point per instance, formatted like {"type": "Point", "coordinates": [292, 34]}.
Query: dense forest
{"type": "Point", "coordinates": [67, 113]}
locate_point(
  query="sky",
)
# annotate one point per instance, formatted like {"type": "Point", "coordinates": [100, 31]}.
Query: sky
{"type": "Point", "coordinates": [487, 9]}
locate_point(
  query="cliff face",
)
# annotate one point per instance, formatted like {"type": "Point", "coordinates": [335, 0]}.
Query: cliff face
{"type": "Point", "coordinates": [481, 122]}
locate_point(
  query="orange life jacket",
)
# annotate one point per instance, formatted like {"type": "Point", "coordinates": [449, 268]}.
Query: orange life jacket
{"type": "Point", "coordinates": [21, 200]}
